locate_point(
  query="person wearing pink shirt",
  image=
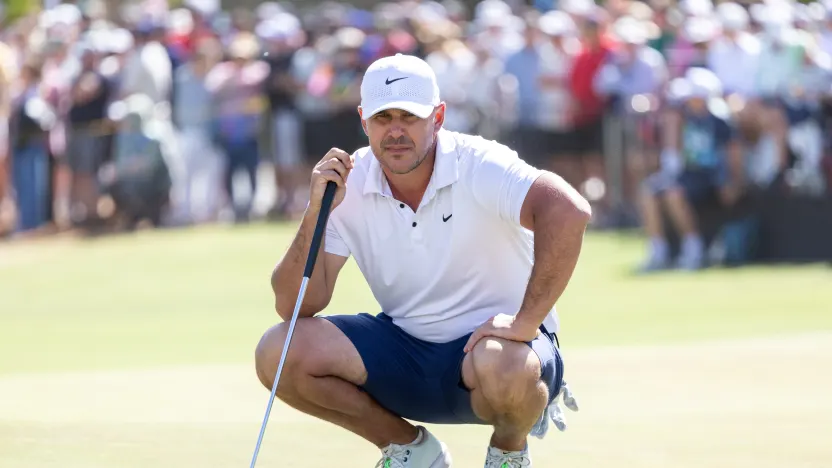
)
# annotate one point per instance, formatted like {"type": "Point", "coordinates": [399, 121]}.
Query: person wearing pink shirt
{"type": "Point", "coordinates": [239, 99]}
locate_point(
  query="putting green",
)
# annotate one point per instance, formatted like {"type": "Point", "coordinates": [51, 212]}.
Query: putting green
{"type": "Point", "coordinates": [741, 403]}
{"type": "Point", "coordinates": [136, 351]}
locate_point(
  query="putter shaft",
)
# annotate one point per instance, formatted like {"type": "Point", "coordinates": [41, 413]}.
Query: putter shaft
{"type": "Point", "coordinates": [294, 321]}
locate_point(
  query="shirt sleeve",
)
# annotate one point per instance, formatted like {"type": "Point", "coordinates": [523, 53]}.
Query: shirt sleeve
{"type": "Point", "coordinates": [333, 242]}
{"type": "Point", "coordinates": [501, 181]}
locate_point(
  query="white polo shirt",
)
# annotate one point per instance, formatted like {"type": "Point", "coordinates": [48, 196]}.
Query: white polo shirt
{"type": "Point", "coordinates": [461, 258]}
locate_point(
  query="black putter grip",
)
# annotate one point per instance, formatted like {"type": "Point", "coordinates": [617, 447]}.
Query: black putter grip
{"type": "Point", "coordinates": [320, 228]}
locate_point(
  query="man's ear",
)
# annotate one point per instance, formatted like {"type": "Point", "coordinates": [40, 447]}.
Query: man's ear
{"type": "Point", "coordinates": [439, 119]}
{"type": "Point", "coordinates": [363, 122]}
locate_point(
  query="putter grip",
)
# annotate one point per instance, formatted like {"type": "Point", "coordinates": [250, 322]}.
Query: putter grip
{"type": "Point", "coordinates": [320, 228]}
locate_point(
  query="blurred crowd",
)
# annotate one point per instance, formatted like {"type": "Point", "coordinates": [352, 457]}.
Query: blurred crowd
{"type": "Point", "coordinates": [654, 109]}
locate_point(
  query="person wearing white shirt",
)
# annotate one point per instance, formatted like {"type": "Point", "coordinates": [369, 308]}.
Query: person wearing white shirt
{"type": "Point", "coordinates": [148, 69]}
{"type": "Point", "coordinates": [734, 56]}
{"type": "Point", "coordinates": [466, 247]}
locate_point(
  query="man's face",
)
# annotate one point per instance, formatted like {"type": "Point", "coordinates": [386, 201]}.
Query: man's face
{"type": "Point", "coordinates": [401, 140]}
{"type": "Point", "coordinates": [697, 105]}
{"type": "Point", "coordinates": [590, 33]}
{"type": "Point", "coordinates": [88, 60]}
{"type": "Point", "coordinates": [530, 35]}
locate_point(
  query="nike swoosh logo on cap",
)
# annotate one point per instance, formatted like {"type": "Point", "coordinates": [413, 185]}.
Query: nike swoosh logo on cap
{"type": "Point", "coordinates": [388, 80]}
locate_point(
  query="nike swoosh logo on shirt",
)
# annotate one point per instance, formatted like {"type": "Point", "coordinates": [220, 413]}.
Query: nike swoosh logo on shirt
{"type": "Point", "coordinates": [388, 80]}
{"type": "Point", "coordinates": [446, 219]}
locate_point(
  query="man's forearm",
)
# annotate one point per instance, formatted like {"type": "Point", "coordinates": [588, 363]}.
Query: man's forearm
{"type": "Point", "coordinates": [558, 237]}
{"type": "Point", "coordinates": [288, 274]}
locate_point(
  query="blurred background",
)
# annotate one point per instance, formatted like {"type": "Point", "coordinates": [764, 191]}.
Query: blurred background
{"type": "Point", "coordinates": [703, 125]}
{"type": "Point", "coordinates": [155, 156]}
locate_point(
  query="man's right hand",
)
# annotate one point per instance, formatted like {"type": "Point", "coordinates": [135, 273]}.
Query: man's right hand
{"type": "Point", "coordinates": [335, 167]}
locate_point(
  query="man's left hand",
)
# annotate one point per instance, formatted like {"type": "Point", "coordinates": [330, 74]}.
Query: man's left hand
{"type": "Point", "coordinates": [507, 327]}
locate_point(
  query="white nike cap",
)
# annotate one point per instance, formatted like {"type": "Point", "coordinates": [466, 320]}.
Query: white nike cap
{"type": "Point", "coordinates": [402, 82]}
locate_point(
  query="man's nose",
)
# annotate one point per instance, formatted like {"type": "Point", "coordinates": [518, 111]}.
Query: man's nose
{"type": "Point", "coordinates": [396, 129]}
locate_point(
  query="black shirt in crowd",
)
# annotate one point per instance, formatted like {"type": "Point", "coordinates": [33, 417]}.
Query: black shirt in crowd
{"type": "Point", "coordinates": [279, 98]}
{"type": "Point", "coordinates": [94, 110]}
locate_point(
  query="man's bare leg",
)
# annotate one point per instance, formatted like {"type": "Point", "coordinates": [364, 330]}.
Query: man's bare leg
{"type": "Point", "coordinates": [506, 390]}
{"type": "Point", "coordinates": [321, 377]}
{"type": "Point", "coordinates": [684, 220]}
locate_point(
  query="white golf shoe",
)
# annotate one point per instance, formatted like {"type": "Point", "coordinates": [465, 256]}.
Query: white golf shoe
{"type": "Point", "coordinates": [497, 458]}
{"type": "Point", "coordinates": [428, 452]}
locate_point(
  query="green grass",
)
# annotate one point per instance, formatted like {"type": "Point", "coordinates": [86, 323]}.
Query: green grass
{"type": "Point", "coordinates": [203, 296]}
{"type": "Point", "coordinates": [161, 313]}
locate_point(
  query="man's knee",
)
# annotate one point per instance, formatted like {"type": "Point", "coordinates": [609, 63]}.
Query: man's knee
{"type": "Point", "coordinates": [270, 348]}
{"type": "Point", "coordinates": [507, 373]}
{"type": "Point", "coordinates": [318, 349]}
{"type": "Point", "coordinates": [675, 195]}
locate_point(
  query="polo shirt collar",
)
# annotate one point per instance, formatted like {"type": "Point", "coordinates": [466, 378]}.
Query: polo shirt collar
{"type": "Point", "coordinates": [445, 169]}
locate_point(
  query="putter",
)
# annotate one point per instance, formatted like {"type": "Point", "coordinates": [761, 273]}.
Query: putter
{"type": "Point", "coordinates": [320, 226]}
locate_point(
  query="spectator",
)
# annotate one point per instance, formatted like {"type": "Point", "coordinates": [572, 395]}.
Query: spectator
{"type": "Point", "coordinates": [781, 58]}
{"type": "Point", "coordinates": [345, 90]}
{"type": "Point", "coordinates": [197, 196]}
{"type": "Point", "coordinates": [148, 69]}
{"type": "Point", "coordinates": [138, 178]}
{"type": "Point", "coordinates": [90, 95]}
{"type": "Point", "coordinates": [238, 89]}
{"type": "Point", "coordinates": [634, 73]}
{"type": "Point", "coordinates": [523, 67]}
{"type": "Point", "coordinates": [31, 119]}
{"type": "Point", "coordinates": [633, 69]}
{"type": "Point", "coordinates": [497, 30]}
{"type": "Point", "coordinates": [762, 155]}
{"type": "Point", "coordinates": [453, 63]}
{"type": "Point", "coordinates": [691, 46]}
{"type": "Point", "coordinates": [587, 113]}
{"type": "Point", "coordinates": [734, 56]}
{"type": "Point", "coordinates": [663, 18]}
{"type": "Point", "coordinates": [691, 172]}
{"type": "Point", "coordinates": [280, 36]}
{"type": "Point", "coordinates": [7, 71]}
{"type": "Point", "coordinates": [557, 54]}
{"type": "Point", "coordinates": [484, 90]}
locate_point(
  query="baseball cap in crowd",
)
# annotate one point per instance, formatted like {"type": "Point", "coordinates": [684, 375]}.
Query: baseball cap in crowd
{"type": "Point", "coordinates": [696, 7]}
{"type": "Point", "coordinates": [701, 30]}
{"type": "Point", "coordinates": [733, 16]}
{"type": "Point", "coordinates": [401, 82]}
{"type": "Point", "coordinates": [698, 83]}
{"type": "Point", "coordinates": [630, 30]}
{"type": "Point", "coordinates": [579, 8]}
{"type": "Point", "coordinates": [556, 24]}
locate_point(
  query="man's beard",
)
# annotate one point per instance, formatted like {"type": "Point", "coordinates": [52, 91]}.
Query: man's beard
{"type": "Point", "coordinates": [418, 161]}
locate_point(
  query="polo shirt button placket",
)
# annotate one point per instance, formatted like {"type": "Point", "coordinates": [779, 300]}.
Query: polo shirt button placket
{"type": "Point", "coordinates": [415, 232]}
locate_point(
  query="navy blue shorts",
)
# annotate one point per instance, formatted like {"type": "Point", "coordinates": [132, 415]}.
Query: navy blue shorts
{"type": "Point", "coordinates": [698, 185]}
{"type": "Point", "coordinates": [422, 381]}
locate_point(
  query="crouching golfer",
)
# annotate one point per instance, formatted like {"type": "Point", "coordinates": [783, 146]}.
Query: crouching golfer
{"type": "Point", "coordinates": [466, 248]}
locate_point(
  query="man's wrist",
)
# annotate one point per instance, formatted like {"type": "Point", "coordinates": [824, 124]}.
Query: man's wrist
{"type": "Point", "coordinates": [526, 319]}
